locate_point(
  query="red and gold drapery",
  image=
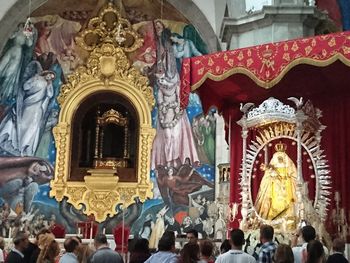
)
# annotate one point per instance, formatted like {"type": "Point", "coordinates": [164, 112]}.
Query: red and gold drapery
{"type": "Point", "coordinates": [315, 68]}
{"type": "Point", "coordinates": [265, 64]}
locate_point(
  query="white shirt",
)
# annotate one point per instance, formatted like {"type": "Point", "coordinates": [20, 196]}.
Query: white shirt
{"type": "Point", "coordinates": [1, 255]}
{"type": "Point", "coordinates": [298, 252]}
{"type": "Point", "coordinates": [236, 256]}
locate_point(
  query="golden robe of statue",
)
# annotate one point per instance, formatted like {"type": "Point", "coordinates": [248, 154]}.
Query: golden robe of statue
{"type": "Point", "coordinates": [276, 196]}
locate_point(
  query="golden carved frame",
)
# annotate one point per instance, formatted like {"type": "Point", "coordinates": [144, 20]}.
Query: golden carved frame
{"type": "Point", "coordinates": [107, 70]}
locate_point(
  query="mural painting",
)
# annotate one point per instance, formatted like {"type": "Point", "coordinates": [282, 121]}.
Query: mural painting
{"type": "Point", "coordinates": [32, 69]}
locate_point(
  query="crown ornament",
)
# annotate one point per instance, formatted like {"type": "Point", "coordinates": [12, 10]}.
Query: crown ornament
{"type": "Point", "coordinates": [280, 147]}
{"type": "Point", "coordinates": [109, 27]}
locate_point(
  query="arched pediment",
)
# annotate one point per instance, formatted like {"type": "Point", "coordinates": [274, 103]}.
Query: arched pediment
{"type": "Point", "coordinates": [107, 70]}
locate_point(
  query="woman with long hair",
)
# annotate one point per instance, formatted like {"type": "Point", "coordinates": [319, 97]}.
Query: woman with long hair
{"type": "Point", "coordinates": [315, 252]}
{"type": "Point", "coordinates": [84, 252]}
{"type": "Point", "coordinates": [283, 254]}
{"type": "Point", "coordinates": [189, 253]}
{"type": "Point", "coordinates": [140, 252]}
{"type": "Point", "coordinates": [49, 252]}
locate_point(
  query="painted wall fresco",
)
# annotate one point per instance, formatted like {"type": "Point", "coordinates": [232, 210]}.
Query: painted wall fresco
{"type": "Point", "coordinates": [32, 70]}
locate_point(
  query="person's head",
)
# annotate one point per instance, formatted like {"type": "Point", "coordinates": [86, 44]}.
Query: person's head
{"type": "Point", "coordinates": [21, 240]}
{"type": "Point", "coordinates": [237, 238]}
{"type": "Point", "coordinates": [187, 221]}
{"type": "Point", "coordinates": [176, 38]}
{"type": "Point", "coordinates": [141, 245]}
{"type": "Point", "coordinates": [190, 252]}
{"type": "Point", "coordinates": [53, 250]}
{"type": "Point", "coordinates": [78, 238]}
{"type": "Point", "coordinates": [266, 233]}
{"type": "Point", "coordinates": [225, 246]}
{"type": "Point", "coordinates": [48, 75]}
{"type": "Point", "coordinates": [315, 252]}
{"type": "Point", "coordinates": [308, 233]}
{"type": "Point", "coordinates": [206, 248]}
{"type": "Point", "coordinates": [100, 240]}
{"type": "Point", "coordinates": [283, 254]}
{"type": "Point", "coordinates": [42, 231]}
{"type": "Point", "coordinates": [338, 245]}
{"type": "Point", "coordinates": [84, 252]}
{"type": "Point", "coordinates": [159, 27]}
{"type": "Point", "coordinates": [71, 245]}
{"type": "Point", "coordinates": [167, 241]}
{"type": "Point", "coordinates": [192, 236]}
{"type": "Point", "coordinates": [170, 171]}
{"type": "Point", "coordinates": [49, 251]}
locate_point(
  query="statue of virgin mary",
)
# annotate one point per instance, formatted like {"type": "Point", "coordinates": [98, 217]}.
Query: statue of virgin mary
{"type": "Point", "coordinates": [277, 193]}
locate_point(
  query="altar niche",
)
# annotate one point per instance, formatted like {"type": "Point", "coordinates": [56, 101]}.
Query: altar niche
{"type": "Point", "coordinates": [104, 136]}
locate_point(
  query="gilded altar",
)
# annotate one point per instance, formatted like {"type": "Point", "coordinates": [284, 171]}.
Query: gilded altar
{"type": "Point", "coordinates": [106, 104]}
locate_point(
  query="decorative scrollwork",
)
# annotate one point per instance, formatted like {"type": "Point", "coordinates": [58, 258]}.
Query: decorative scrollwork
{"type": "Point", "coordinates": [107, 38]}
{"type": "Point", "coordinates": [109, 27]}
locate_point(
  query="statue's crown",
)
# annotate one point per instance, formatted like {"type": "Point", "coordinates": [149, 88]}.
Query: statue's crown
{"type": "Point", "coordinates": [280, 147]}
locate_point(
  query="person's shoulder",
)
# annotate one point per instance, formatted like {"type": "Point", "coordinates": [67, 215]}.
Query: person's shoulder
{"type": "Point", "coordinates": [337, 258]}
{"type": "Point", "coordinates": [297, 249]}
{"type": "Point", "coordinates": [248, 257]}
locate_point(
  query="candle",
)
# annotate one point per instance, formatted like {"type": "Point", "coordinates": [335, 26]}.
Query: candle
{"type": "Point", "coordinates": [79, 231]}
{"type": "Point", "coordinates": [91, 232]}
{"type": "Point", "coordinates": [104, 231]}
{"type": "Point", "coordinates": [10, 232]}
{"type": "Point", "coordinates": [337, 197]}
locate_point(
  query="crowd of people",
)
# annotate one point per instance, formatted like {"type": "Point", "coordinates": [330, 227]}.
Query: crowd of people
{"type": "Point", "coordinates": [46, 249]}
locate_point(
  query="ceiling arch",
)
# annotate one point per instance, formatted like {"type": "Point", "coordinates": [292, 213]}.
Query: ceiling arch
{"type": "Point", "coordinates": [19, 11]}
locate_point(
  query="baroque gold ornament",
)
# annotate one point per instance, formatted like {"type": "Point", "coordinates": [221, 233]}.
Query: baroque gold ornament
{"type": "Point", "coordinates": [107, 37]}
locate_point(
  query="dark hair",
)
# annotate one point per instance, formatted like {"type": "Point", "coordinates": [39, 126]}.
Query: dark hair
{"type": "Point", "coordinates": [189, 253]}
{"type": "Point", "coordinates": [315, 251]}
{"type": "Point", "coordinates": [206, 247]}
{"type": "Point", "coordinates": [167, 241]}
{"type": "Point", "coordinates": [79, 239]}
{"type": "Point", "coordinates": [101, 239]}
{"type": "Point", "coordinates": [339, 245]}
{"type": "Point", "coordinates": [284, 254]}
{"type": "Point", "coordinates": [225, 246]}
{"type": "Point", "coordinates": [237, 237]}
{"type": "Point", "coordinates": [266, 232]}
{"type": "Point", "coordinates": [20, 236]}
{"type": "Point", "coordinates": [308, 233]}
{"type": "Point", "coordinates": [141, 245]}
{"type": "Point", "coordinates": [70, 244]}
{"type": "Point", "coordinates": [193, 231]}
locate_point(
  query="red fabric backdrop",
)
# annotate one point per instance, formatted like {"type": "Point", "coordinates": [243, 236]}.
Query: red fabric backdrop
{"type": "Point", "coordinates": [322, 77]}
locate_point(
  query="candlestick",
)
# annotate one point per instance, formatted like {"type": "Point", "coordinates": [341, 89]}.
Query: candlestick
{"type": "Point", "coordinates": [91, 232]}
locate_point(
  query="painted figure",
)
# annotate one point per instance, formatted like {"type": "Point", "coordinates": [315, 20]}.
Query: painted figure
{"type": "Point", "coordinates": [20, 180]}
{"type": "Point", "coordinates": [277, 195]}
{"type": "Point", "coordinates": [20, 130]}
{"type": "Point", "coordinates": [158, 228]}
{"type": "Point", "coordinates": [176, 185]}
{"type": "Point", "coordinates": [174, 139]}
{"type": "Point", "coordinates": [14, 59]}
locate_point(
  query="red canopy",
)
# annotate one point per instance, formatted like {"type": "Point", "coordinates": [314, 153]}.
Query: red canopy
{"type": "Point", "coordinates": [315, 68]}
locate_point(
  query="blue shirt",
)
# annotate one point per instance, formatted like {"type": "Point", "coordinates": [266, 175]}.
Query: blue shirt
{"type": "Point", "coordinates": [68, 257]}
{"type": "Point", "coordinates": [266, 253]}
